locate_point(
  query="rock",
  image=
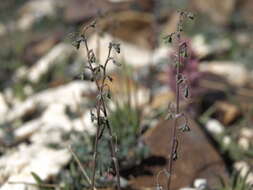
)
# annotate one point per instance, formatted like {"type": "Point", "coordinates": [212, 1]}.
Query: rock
{"type": "Point", "coordinates": [200, 184]}
{"type": "Point", "coordinates": [246, 11]}
{"type": "Point", "coordinates": [197, 158]}
{"type": "Point", "coordinates": [59, 53]}
{"type": "Point", "coordinates": [219, 11]}
{"type": "Point", "coordinates": [35, 10]}
{"type": "Point", "coordinates": [118, 1]}
{"type": "Point", "coordinates": [244, 143]}
{"type": "Point", "coordinates": [214, 127]}
{"type": "Point", "coordinates": [84, 124]}
{"type": "Point", "coordinates": [20, 73]}
{"type": "Point", "coordinates": [129, 26]}
{"type": "Point", "coordinates": [28, 90]}
{"type": "Point", "coordinates": [247, 133]}
{"type": "Point", "coordinates": [187, 188]}
{"type": "Point", "coordinates": [3, 29]}
{"type": "Point", "coordinates": [17, 166]}
{"type": "Point", "coordinates": [235, 73]}
{"type": "Point", "coordinates": [245, 138]}
{"type": "Point", "coordinates": [133, 55]}
{"type": "Point", "coordinates": [39, 47]}
{"type": "Point", "coordinates": [227, 140]}
{"type": "Point", "coordinates": [80, 10]}
{"type": "Point", "coordinates": [28, 129]}
{"type": "Point", "coordinates": [3, 107]}
{"type": "Point", "coordinates": [67, 95]}
{"type": "Point", "coordinates": [243, 167]}
{"type": "Point", "coordinates": [227, 112]}
{"type": "Point", "coordinates": [202, 49]}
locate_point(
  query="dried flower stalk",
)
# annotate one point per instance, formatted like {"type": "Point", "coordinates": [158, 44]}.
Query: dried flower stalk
{"type": "Point", "coordinates": [181, 83]}
{"type": "Point", "coordinates": [100, 77]}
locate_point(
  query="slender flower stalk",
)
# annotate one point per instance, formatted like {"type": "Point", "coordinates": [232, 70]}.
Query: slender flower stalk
{"type": "Point", "coordinates": [174, 111]}
{"type": "Point", "coordinates": [100, 77]}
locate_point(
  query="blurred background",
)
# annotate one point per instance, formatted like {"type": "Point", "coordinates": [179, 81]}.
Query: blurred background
{"type": "Point", "coordinates": [45, 106]}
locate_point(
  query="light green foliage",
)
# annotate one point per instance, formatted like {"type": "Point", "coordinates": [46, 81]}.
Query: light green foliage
{"type": "Point", "coordinates": [236, 182]}
{"type": "Point", "coordinates": [125, 121]}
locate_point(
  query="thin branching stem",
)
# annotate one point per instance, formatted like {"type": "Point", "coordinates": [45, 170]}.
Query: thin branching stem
{"type": "Point", "coordinates": [174, 133]}
{"type": "Point", "coordinates": [181, 52]}
{"type": "Point", "coordinates": [101, 106]}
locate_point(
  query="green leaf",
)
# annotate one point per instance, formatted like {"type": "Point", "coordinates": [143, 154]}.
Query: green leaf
{"type": "Point", "coordinates": [36, 178]}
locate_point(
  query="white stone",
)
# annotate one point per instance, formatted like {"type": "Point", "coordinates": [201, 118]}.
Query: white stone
{"type": "Point", "coordinates": [214, 126]}
{"type": "Point", "coordinates": [67, 95]}
{"type": "Point", "coordinates": [84, 123]}
{"type": "Point", "coordinates": [60, 52]}
{"type": "Point", "coordinates": [161, 53]}
{"type": "Point", "coordinates": [227, 140]}
{"type": "Point", "coordinates": [35, 10]}
{"type": "Point", "coordinates": [118, 1]}
{"type": "Point", "coordinates": [202, 48]}
{"type": "Point", "coordinates": [130, 53]}
{"type": "Point", "coordinates": [244, 143]}
{"type": "Point", "coordinates": [20, 73]}
{"type": "Point", "coordinates": [28, 129]}
{"type": "Point", "coordinates": [234, 72]}
{"type": "Point", "coordinates": [247, 133]}
{"type": "Point", "coordinates": [187, 188]}
{"type": "Point", "coordinates": [8, 93]}
{"type": "Point", "coordinates": [3, 107]}
{"type": "Point", "coordinates": [2, 29]}
{"type": "Point", "coordinates": [200, 184]}
{"type": "Point", "coordinates": [28, 90]}
{"type": "Point", "coordinates": [45, 162]}
{"type": "Point", "coordinates": [243, 167]}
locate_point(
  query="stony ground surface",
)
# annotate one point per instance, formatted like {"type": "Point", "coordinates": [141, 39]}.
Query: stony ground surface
{"type": "Point", "coordinates": [40, 102]}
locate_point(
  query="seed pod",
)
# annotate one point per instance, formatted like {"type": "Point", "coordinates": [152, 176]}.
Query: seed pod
{"type": "Point", "coordinates": [110, 78]}
{"type": "Point", "coordinates": [92, 57]}
{"type": "Point", "coordinates": [186, 92]}
{"type": "Point", "coordinates": [180, 81]}
{"type": "Point", "coordinates": [92, 116]}
{"type": "Point", "coordinates": [174, 156]}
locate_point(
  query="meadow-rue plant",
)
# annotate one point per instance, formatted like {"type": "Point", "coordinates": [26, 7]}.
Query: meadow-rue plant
{"type": "Point", "coordinates": [182, 89]}
{"type": "Point", "coordinates": [100, 116]}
